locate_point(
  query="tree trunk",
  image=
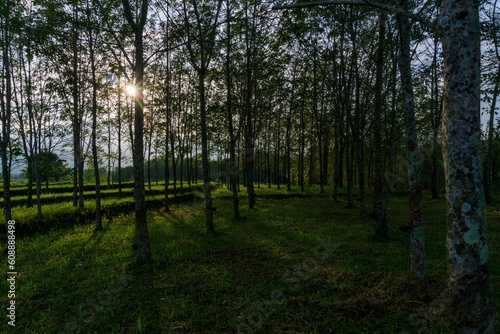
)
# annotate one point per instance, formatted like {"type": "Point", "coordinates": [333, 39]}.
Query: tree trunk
{"type": "Point", "coordinates": [436, 119]}
{"type": "Point", "coordinates": [78, 161]}
{"type": "Point", "coordinates": [174, 161]}
{"type": "Point", "coordinates": [277, 154]}
{"type": "Point", "coordinates": [416, 223]}
{"type": "Point", "coordinates": [312, 161]}
{"type": "Point", "coordinates": [27, 138]}
{"type": "Point", "coordinates": [288, 137]}
{"type": "Point", "coordinates": [167, 135]}
{"type": "Point", "coordinates": [302, 144]}
{"type": "Point", "coordinates": [201, 61]}
{"type": "Point", "coordinates": [143, 248]}
{"type": "Point", "coordinates": [469, 271]}
{"type": "Point", "coordinates": [317, 124]}
{"type": "Point", "coordinates": [489, 155]}
{"type": "Point", "coordinates": [336, 157]}
{"type": "Point", "coordinates": [380, 222]}
{"type": "Point", "coordinates": [249, 157]}
{"type": "Point", "coordinates": [98, 218]}
{"type": "Point", "coordinates": [6, 116]}
{"type": "Point", "coordinates": [358, 133]}
{"type": "Point", "coordinates": [149, 144]}
{"type": "Point", "coordinates": [205, 160]}
{"type": "Point", "coordinates": [349, 147]}
{"type": "Point", "coordinates": [119, 139]}
{"type": "Point", "coordinates": [268, 155]}
{"type": "Point", "coordinates": [108, 176]}
{"type": "Point", "coordinates": [138, 158]}
{"type": "Point", "coordinates": [38, 179]}
{"type": "Point", "coordinates": [249, 133]}
{"type": "Point", "coordinates": [233, 171]}
{"type": "Point", "coordinates": [181, 172]}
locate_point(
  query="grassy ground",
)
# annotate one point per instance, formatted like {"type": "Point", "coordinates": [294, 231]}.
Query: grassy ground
{"type": "Point", "coordinates": [293, 265]}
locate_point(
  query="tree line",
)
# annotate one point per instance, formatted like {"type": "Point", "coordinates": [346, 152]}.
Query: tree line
{"type": "Point", "coordinates": [352, 94]}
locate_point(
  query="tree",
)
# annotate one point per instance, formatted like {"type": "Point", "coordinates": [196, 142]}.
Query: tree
{"type": "Point", "coordinates": [468, 256]}
{"type": "Point", "coordinates": [52, 167]}
{"type": "Point", "coordinates": [95, 158]}
{"type": "Point", "coordinates": [469, 275]}
{"type": "Point", "coordinates": [358, 125]}
{"type": "Point", "coordinates": [25, 101]}
{"type": "Point", "coordinates": [233, 170]}
{"type": "Point", "coordinates": [77, 114]}
{"type": "Point", "coordinates": [380, 219]}
{"type": "Point", "coordinates": [137, 24]}
{"type": "Point", "coordinates": [201, 23]}
{"type": "Point", "coordinates": [5, 106]}
{"type": "Point", "coordinates": [250, 53]}
{"type": "Point", "coordinates": [492, 33]}
{"type": "Point", "coordinates": [416, 223]}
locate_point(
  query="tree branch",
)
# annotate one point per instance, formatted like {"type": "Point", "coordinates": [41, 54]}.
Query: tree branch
{"type": "Point", "coordinates": [388, 8]}
{"type": "Point", "coordinates": [127, 10]}
{"type": "Point", "coordinates": [144, 13]}
{"type": "Point", "coordinates": [115, 37]}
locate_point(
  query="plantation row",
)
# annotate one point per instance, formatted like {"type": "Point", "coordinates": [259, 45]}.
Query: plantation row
{"type": "Point", "coordinates": [58, 210]}
{"type": "Point", "coordinates": [62, 189]}
{"type": "Point", "coordinates": [58, 216]}
{"type": "Point", "coordinates": [60, 197]}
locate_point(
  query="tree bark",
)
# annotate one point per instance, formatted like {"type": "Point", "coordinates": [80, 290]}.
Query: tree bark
{"type": "Point", "coordinates": [489, 155]}
{"type": "Point", "coordinates": [469, 271]}
{"type": "Point", "coordinates": [302, 142]}
{"type": "Point", "coordinates": [205, 161]}
{"type": "Point", "coordinates": [78, 199]}
{"type": "Point", "coordinates": [119, 138]}
{"type": "Point", "coordinates": [167, 135]}
{"type": "Point", "coordinates": [143, 248]}
{"type": "Point", "coordinates": [416, 223]}
{"type": "Point", "coordinates": [98, 218]}
{"type": "Point", "coordinates": [380, 222]}
{"type": "Point", "coordinates": [436, 112]}
{"type": "Point", "coordinates": [201, 63]}
{"type": "Point", "coordinates": [249, 129]}
{"type": "Point", "coordinates": [27, 138]}
{"type": "Point", "coordinates": [358, 132]}
{"type": "Point", "coordinates": [6, 115]}
{"type": "Point", "coordinates": [471, 305]}
{"type": "Point", "coordinates": [288, 136]}
{"type": "Point", "coordinates": [349, 147]}
{"type": "Point", "coordinates": [233, 171]}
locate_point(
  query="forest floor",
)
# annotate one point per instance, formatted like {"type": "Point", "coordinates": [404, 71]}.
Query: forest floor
{"type": "Point", "coordinates": [293, 265]}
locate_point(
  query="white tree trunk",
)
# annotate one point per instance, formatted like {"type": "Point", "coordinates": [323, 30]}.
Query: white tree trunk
{"type": "Point", "coordinates": [469, 273]}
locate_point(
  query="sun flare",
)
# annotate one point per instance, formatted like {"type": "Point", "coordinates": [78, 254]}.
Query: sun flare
{"type": "Point", "coordinates": [131, 90]}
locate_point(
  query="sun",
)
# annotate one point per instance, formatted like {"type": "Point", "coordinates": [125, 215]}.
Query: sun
{"type": "Point", "coordinates": [131, 90]}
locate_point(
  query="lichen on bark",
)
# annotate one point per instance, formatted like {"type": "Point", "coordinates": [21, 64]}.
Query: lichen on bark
{"type": "Point", "coordinates": [469, 277]}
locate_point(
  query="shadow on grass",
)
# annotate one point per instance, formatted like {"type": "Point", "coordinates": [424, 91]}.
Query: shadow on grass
{"type": "Point", "coordinates": [294, 265]}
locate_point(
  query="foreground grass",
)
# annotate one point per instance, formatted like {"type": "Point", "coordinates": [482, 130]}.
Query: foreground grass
{"type": "Point", "coordinates": [294, 265]}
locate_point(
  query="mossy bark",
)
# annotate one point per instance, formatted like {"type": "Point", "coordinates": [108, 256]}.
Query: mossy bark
{"type": "Point", "coordinates": [469, 272]}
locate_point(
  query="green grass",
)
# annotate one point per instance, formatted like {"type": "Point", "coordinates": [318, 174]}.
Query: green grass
{"type": "Point", "coordinates": [293, 265]}
{"type": "Point", "coordinates": [60, 213]}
